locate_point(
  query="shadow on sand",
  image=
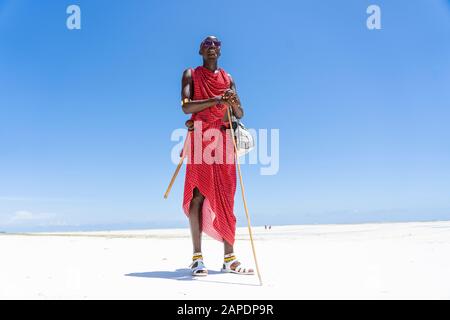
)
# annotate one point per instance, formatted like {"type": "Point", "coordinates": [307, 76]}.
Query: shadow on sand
{"type": "Point", "coordinates": [183, 275]}
{"type": "Point", "coordinates": [179, 274]}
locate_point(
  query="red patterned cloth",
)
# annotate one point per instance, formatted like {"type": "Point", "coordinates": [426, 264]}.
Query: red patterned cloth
{"type": "Point", "coordinates": [216, 180]}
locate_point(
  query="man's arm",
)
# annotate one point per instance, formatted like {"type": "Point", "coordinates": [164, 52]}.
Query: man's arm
{"type": "Point", "coordinates": [187, 89]}
{"type": "Point", "coordinates": [234, 101]}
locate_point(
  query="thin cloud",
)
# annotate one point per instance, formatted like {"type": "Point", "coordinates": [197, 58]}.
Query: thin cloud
{"type": "Point", "coordinates": [38, 199]}
{"type": "Point", "coordinates": [28, 218]}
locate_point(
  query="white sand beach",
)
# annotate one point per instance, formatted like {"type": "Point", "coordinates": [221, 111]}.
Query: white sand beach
{"type": "Point", "coordinates": [366, 261]}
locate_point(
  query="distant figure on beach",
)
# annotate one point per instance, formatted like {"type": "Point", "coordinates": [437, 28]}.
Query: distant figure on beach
{"type": "Point", "coordinates": [207, 91]}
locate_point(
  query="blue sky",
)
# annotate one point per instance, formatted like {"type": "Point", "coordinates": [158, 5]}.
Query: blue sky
{"type": "Point", "coordinates": [86, 115]}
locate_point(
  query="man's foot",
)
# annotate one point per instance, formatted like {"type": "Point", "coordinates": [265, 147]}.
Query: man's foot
{"type": "Point", "coordinates": [232, 265]}
{"type": "Point", "coordinates": [197, 266]}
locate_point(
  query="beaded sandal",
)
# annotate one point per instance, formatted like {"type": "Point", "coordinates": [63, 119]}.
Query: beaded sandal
{"type": "Point", "coordinates": [197, 266]}
{"type": "Point", "coordinates": [232, 265]}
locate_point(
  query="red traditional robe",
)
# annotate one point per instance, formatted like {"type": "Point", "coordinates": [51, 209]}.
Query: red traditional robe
{"type": "Point", "coordinates": [216, 181]}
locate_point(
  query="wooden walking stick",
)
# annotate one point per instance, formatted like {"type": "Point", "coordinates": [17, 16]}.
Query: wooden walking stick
{"type": "Point", "coordinates": [190, 126]}
{"type": "Point", "coordinates": [243, 195]}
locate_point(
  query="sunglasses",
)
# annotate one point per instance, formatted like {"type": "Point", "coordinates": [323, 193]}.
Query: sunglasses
{"type": "Point", "coordinates": [208, 43]}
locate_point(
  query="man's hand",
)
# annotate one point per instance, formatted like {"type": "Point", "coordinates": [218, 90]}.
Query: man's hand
{"type": "Point", "coordinates": [228, 95]}
{"type": "Point", "coordinates": [231, 98]}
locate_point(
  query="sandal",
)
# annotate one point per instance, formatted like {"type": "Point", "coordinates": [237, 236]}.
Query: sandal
{"type": "Point", "coordinates": [233, 265]}
{"type": "Point", "coordinates": [197, 266]}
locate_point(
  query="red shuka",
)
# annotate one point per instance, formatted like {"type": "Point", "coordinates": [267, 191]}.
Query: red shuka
{"type": "Point", "coordinates": [215, 181]}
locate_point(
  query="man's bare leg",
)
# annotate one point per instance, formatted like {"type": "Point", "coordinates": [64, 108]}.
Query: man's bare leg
{"type": "Point", "coordinates": [195, 220]}
{"type": "Point", "coordinates": [227, 248]}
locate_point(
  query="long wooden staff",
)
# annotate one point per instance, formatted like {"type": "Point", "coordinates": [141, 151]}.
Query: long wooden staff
{"type": "Point", "coordinates": [243, 194]}
{"type": "Point", "coordinates": [190, 125]}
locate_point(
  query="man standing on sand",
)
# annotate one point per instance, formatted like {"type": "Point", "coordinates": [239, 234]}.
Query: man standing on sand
{"type": "Point", "coordinates": [207, 91]}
